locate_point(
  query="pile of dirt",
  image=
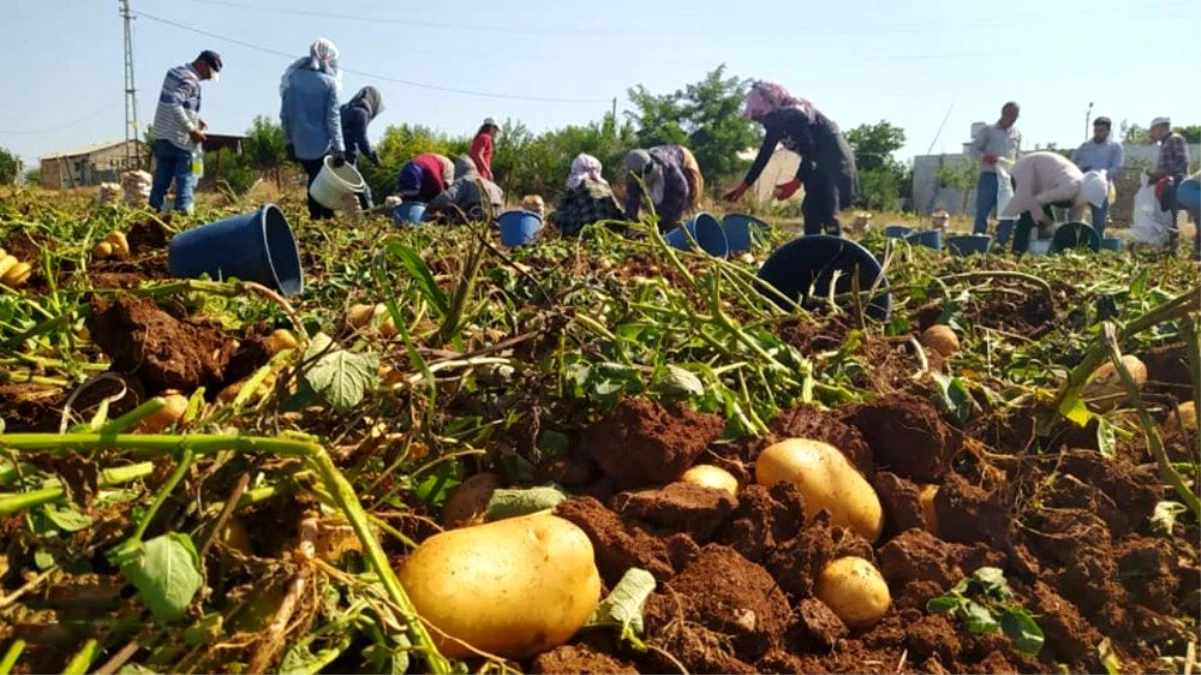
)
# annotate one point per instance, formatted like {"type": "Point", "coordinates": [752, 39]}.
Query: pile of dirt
{"type": "Point", "coordinates": [907, 436]}
{"type": "Point", "coordinates": [148, 236]}
{"type": "Point", "coordinates": [643, 443]}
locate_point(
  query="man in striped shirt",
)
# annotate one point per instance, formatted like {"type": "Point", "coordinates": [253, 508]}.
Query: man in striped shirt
{"type": "Point", "coordinates": [178, 129]}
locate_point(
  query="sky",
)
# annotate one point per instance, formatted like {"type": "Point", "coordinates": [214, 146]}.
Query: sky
{"type": "Point", "coordinates": [549, 63]}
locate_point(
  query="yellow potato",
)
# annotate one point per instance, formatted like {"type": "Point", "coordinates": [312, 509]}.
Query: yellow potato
{"type": "Point", "coordinates": [827, 480]}
{"type": "Point", "coordinates": [280, 340]}
{"type": "Point", "coordinates": [102, 250]}
{"type": "Point", "coordinates": [1105, 390]}
{"type": "Point", "coordinates": [715, 477]}
{"type": "Point", "coordinates": [359, 316]}
{"type": "Point", "coordinates": [926, 500]}
{"type": "Point", "coordinates": [17, 275]}
{"type": "Point", "coordinates": [387, 327]}
{"type": "Point", "coordinates": [7, 262]}
{"type": "Point", "coordinates": [119, 243]}
{"type": "Point", "coordinates": [177, 405]}
{"type": "Point", "coordinates": [855, 590]}
{"type": "Point", "coordinates": [942, 339]}
{"type": "Point", "coordinates": [513, 588]}
{"type": "Point", "coordinates": [1188, 417]}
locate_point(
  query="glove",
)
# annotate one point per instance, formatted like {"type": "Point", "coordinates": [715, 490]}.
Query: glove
{"type": "Point", "coordinates": [736, 194]}
{"type": "Point", "coordinates": [290, 152]}
{"type": "Point", "coordinates": [339, 159]}
{"type": "Point", "coordinates": [991, 160]}
{"type": "Point", "coordinates": [788, 189]}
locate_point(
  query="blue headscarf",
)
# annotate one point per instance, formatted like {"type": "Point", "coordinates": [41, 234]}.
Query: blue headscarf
{"type": "Point", "coordinates": [410, 179]}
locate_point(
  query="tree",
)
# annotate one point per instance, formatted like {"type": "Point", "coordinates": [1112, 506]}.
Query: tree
{"type": "Point", "coordinates": [1191, 133]}
{"type": "Point", "coordinates": [881, 176]}
{"type": "Point", "coordinates": [1133, 134]}
{"type": "Point", "coordinates": [265, 148]}
{"type": "Point", "coordinates": [10, 166]}
{"type": "Point", "coordinates": [33, 177]}
{"type": "Point", "coordinates": [961, 177]}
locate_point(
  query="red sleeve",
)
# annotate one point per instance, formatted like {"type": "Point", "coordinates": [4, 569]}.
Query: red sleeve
{"type": "Point", "coordinates": [481, 154]}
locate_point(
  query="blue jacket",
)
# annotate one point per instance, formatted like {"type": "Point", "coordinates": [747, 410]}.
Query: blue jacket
{"type": "Point", "coordinates": [354, 129]}
{"type": "Point", "coordinates": [311, 115]}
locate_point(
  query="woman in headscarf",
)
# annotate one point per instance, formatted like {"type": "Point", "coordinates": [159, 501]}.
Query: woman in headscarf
{"type": "Point", "coordinates": [482, 146]}
{"type": "Point", "coordinates": [471, 198]}
{"type": "Point", "coordinates": [588, 199]}
{"type": "Point", "coordinates": [672, 181]}
{"type": "Point", "coordinates": [311, 116]}
{"type": "Point", "coordinates": [356, 115]}
{"type": "Point", "coordinates": [827, 166]}
{"type": "Point", "coordinates": [425, 177]}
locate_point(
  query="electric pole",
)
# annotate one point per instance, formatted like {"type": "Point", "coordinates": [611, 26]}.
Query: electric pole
{"type": "Point", "coordinates": [132, 156]}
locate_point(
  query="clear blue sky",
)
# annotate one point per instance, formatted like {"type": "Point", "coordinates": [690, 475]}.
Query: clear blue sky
{"type": "Point", "coordinates": [858, 60]}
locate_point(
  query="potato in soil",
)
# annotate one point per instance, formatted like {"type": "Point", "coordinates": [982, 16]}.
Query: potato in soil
{"type": "Point", "coordinates": [161, 419]}
{"type": "Point", "coordinates": [941, 339]}
{"type": "Point", "coordinates": [827, 480]}
{"type": "Point", "coordinates": [1105, 390]}
{"type": "Point", "coordinates": [513, 588]}
{"type": "Point", "coordinates": [855, 590]}
{"type": "Point", "coordinates": [714, 477]}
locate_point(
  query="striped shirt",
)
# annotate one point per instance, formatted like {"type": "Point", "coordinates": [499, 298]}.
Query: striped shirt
{"type": "Point", "coordinates": [178, 110]}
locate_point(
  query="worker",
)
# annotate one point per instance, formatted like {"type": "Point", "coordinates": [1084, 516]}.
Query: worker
{"type": "Point", "coordinates": [1042, 180]}
{"type": "Point", "coordinates": [482, 146]}
{"type": "Point", "coordinates": [470, 198]}
{"type": "Point", "coordinates": [357, 113]}
{"type": "Point", "coordinates": [1170, 170]}
{"type": "Point", "coordinates": [311, 116]}
{"type": "Point", "coordinates": [1101, 153]}
{"type": "Point", "coordinates": [671, 177]}
{"type": "Point", "coordinates": [994, 142]}
{"type": "Point", "coordinates": [179, 131]}
{"type": "Point", "coordinates": [588, 199]}
{"type": "Point", "coordinates": [425, 177]}
{"type": "Point", "coordinates": [827, 167]}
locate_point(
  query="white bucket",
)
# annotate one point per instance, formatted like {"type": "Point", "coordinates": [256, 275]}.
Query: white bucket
{"type": "Point", "coordinates": [1039, 247]}
{"type": "Point", "coordinates": [333, 185]}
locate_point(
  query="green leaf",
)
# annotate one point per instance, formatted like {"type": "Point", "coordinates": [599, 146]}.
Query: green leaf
{"type": "Point", "coordinates": [623, 607]}
{"type": "Point", "coordinates": [681, 382]}
{"type": "Point", "coordinates": [955, 397]}
{"type": "Point", "coordinates": [944, 604]}
{"type": "Point", "coordinates": [553, 443]}
{"type": "Point", "coordinates": [67, 519]}
{"type": "Point", "coordinates": [298, 660]}
{"type": "Point", "coordinates": [992, 580]}
{"type": "Point", "coordinates": [513, 503]}
{"type": "Point", "coordinates": [340, 377]}
{"type": "Point", "coordinates": [1107, 441]}
{"type": "Point", "coordinates": [421, 274]}
{"type": "Point", "coordinates": [1163, 518]}
{"type": "Point", "coordinates": [135, 669]}
{"type": "Point", "coordinates": [166, 572]}
{"type": "Point", "coordinates": [1075, 411]}
{"type": "Point", "coordinates": [977, 618]}
{"type": "Point", "coordinates": [43, 559]}
{"type": "Point", "coordinates": [1021, 628]}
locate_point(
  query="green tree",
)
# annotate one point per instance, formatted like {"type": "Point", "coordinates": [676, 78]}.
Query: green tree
{"type": "Point", "coordinates": [265, 148]}
{"type": "Point", "coordinates": [33, 177]}
{"type": "Point", "coordinates": [1191, 133]}
{"type": "Point", "coordinates": [961, 177]}
{"type": "Point", "coordinates": [400, 144]}
{"type": "Point", "coordinates": [10, 166]}
{"type": "Point", "coordinates": [1133, 134]}
{"type": "Point", "coordinates": [881, 177]}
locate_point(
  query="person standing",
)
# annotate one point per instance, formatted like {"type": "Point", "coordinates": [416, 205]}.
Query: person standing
{"type": "Point", "coordinates": [482, 146]}
{"type": "Point", "coordinates": [827, 167]}
{"type": "Point", "coordinates": [992, 143]}
{"type": "Point", "coordinates": [311, 115]}
{"type": "Point", "coordinates": [1170, 169]}
{"type": "Point", "coordinates": [356, 115]}
{"type": "Point", "coordinates": [179, 131]}
{"type": "Point", "coordinates": [1101, 153]}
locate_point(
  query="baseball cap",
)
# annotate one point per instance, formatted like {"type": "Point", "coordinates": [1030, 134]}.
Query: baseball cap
{"type": "Point", "coordinates": [490, 122]}
{"type": "Point", "coordinates": [1102, 120]}
{"type": "Point", "coordinates": [212, 58]}
{"type": "Point", "coordinates": [1161, 120]}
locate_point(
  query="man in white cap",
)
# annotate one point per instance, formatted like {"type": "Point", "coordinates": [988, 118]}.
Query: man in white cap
{"type": "Point", "coordinates": [1171, 168]}
{"type": "Point", "coordinates": [482, 146]}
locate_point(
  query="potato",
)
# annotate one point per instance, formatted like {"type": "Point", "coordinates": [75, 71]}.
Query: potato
{"type": "Point", "coordinates": [387, 327]}
{"type": "Point", "coordinates": [926, 500]}
{"type": "Point", "coordinates": [827, 480]}
{"type": "Point", "coordinates": [280, 340]}
{"type": "Point", "coordinates": [715, 477]}
{"type": "Point", "coordinates": [359, 316]}
{"type": "Point", "coordinates": [1188, 417]}
{"type": "Point", "coordinates": [466, 504]}
{"type": "Point", "coordinates": [1105, 390]}
{"type": "Point", "coordinates": [230, 392]}
{"type": "Point", "coordinates": [17, 275]}
{"type": "Point", "coordinates": [102, 250]}
{"type": "Point", "coordinates": [514, 588]}
{"type": "Point", "coordinates": [177, 405]}
{"type": "Point", "coordinates": [119, 243]}
{"type": "Point", "coordinates": [7, 262]}
{"type": "Point", "coordinates": [855, 590]}
{"type": "Point", "coordinates": [940, 338]}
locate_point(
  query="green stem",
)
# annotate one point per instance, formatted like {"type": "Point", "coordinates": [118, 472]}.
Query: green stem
{"type": "Point", "coordinates": [79, 664]}
{"type": "Point", "coordinates": [185, 463]}
{"type": "Point", "coordinates": [11, 656]}
{"type": "Point", "coordinates": [30, 378]}
{"type": "Point", "coordinates": [10, 504]}
{"type": "Point", "coordinates": [134, 416]}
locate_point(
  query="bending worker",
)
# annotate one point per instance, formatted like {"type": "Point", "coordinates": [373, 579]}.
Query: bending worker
{"type": "Point", "coordinates": [1047, 179]}
{"type": "Point", "coordinates": [425, 177]}
{"type": "Point", "coordinates": [827, 162]}
{"type": "Point", "coordinates": [673, 181]}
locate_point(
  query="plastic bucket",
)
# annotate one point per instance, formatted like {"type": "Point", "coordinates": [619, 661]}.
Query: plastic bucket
{"type": "Point", "coordinates": [332, 185]}
{"type": "Point", "coordinates": [1039, 246]}
{"type": "Point", "coordinates": [708, 233]}
{"type": "Point", "coordinates": [256, 246]}
{"type": "Point", "coordinates": [1075, 235]}
{"type": "Point", "coordinates": [409, 213]}
{"type": "Point", "coordinates": [969, 244]}
{"type": "Point", "coordinates": [928, 238]}
{"type": "Point", "coordinates": [804, 268]}
{"type": "Point", "coordinates": [1188, 194]}
{"type": "Point", "coordinates": [742, 231]}
{"type": "Point", "coordinates": [518, 228]}
{"type": "Point", "coordinates": [897, 231]}
{"type": "Point", "coordinates": [1004, 231]}
{"type": "Point", "coordinates": [1113, 244]}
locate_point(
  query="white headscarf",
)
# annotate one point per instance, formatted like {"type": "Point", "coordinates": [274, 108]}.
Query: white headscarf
{"type": "Point", "coordinates": [766, 97]}
{"type": "Point", "coordinates": [322, 58]}
{"type": "Point", "coordinates": [584, 166]}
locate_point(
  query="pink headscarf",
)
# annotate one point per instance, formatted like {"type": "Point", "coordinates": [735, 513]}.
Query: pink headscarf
{"type": "Point", "coordinates": [584, 166]}
{"type": "Point", "coordinates": [766, 97]}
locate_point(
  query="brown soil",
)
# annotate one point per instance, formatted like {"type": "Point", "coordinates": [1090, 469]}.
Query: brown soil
{"type": "Point", "coordinates": [819, 624]}
{"type": "Point", "coordinates": [907, 436]}
{"type": "Point", "coordinates": [147, 236]}
{"type": "Point", "coordinates": [901, 501]}
{"type": "Point", "coordinates": [1168, 370]}
{"type": "Point", "coordinates": [36, 408]}
{"type": "Point", "coordinates": [680, 507]}
{"type": "Point", "coordinates": [618, 547]}
{"type": "Point", "coordinates": [764, 518]}
{"type": "Point", "coordinates": [580, 659]}
{"type": "Point", "coordinates": [642, 443]}
{"type": "Point", "coordinates": [808, 422]}
{"type": "Point", "coordinates": [161, 350]}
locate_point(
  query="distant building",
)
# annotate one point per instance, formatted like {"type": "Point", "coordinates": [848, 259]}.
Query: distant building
{"type": "Point", "coordinates": [89, 165]}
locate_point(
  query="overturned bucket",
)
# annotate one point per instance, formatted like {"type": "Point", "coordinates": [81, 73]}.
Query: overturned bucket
{"type": "Point", "coordinates": [1075, 235]}
{"type": "Point", "coordinates": [969, 244]}
{"type": "Point", "coordinates": [804, 269]}
{"type": "Point", "coordinates": [897, 231]}
{"type": "Point", "coordinates": [409, 213]}
{"type": "Point", "coordinates": [708, 234]}
{"type": "Point", "coordinates": [928, 238]}
{"type": "Point", "coordinates": [1113, 244]}
{"type": "Point", "coordinates": [256, 246]}
{"type": "Point", "coordinates": [518, 228]}
{"type": "Point", "coordinates": [742, 231]}
{"type": "Point", "coordinates": [333, 185]}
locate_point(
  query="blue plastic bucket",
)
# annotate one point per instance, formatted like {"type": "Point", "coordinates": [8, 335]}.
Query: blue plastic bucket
{"type": "Point", "coordinates": [518, 228]}
{"type": "Point", "coordinates": [256, 246]}
{"type": "Point", "coordinates": [742, 231]}
{"type": "Point", "coordinates": [409, 213]}
{"type": "Point", "coordinates": [804, 268]}
{"type": "Point", "coordinates": [897, 231]}
{"type": "Point", "coordinates": [1188, 194]}
{"type": "Point", "coordinates": [1004, 232]}
{"type": "Point", "coordinates": [969, 244]}
{"type": "Point", "coordinates": [1113, 244]}
{"type": "Point", "coordinates": [1075, 235]}
{"type": "Point", "coordinates": [928, 238]}
{"type": "Point", "coordinates": [708, 233]}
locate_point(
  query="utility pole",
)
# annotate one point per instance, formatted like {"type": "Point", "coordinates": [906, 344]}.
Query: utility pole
{"type": "Point", "coordinates": [1088, 117]}
{"type": "Point", "coordinates": [132, 156]}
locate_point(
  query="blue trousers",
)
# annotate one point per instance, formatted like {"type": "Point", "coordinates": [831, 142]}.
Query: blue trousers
{"type": "Point", "coordinates": [986, 201]}
{"type": "Point", "coordinates": [172, 163]}
{"type": "Point", "coordinates": [1100, 215]}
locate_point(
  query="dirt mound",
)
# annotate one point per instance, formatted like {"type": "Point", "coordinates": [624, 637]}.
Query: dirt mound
{"type": "Point", "coordinates": [1168, 370]}
{"type": "Point", "coordinates": [796, 563]}
{"type": "Point", "coordinates": [681, 507]}
{"type": "Point", "coordinates": [967, 514]}
{"type": "Point", "coordinates": [764, 518]}
{"type": "Point", "coordinates": [806, 421]}
{"type": "Point", "coordinates": [147, 236]}
{"type": "Point", "coordinates": [618, 546]}
{"type": "Point", "coordinates": [907, 436]}
{"type": "Point", "coordinates": [642, 443]}
{"type": "Point", "coordinates": [162, 351]}
{"type": "Point", "coordinates": [901, 500]}
{"type": "Point", "coordinates": [580, 659]}
{"type": "Point", "coordinates": [1069, 637]}
{"type": "Point", "coordinates": [1123, 495]}
{"type": "Point", "coordinates": [917, 555]}
{"type": "Point", "coordinates": [819, 625]}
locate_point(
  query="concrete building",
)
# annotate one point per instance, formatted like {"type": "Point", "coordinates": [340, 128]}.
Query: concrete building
{"type": "Point", "coordinates": [90, 165]}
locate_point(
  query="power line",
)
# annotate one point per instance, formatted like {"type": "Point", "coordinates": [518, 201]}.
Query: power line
{"type": "Point", "coordinates": [375, 76]}
{"type": "Point", "coordinates": [65, 125]}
